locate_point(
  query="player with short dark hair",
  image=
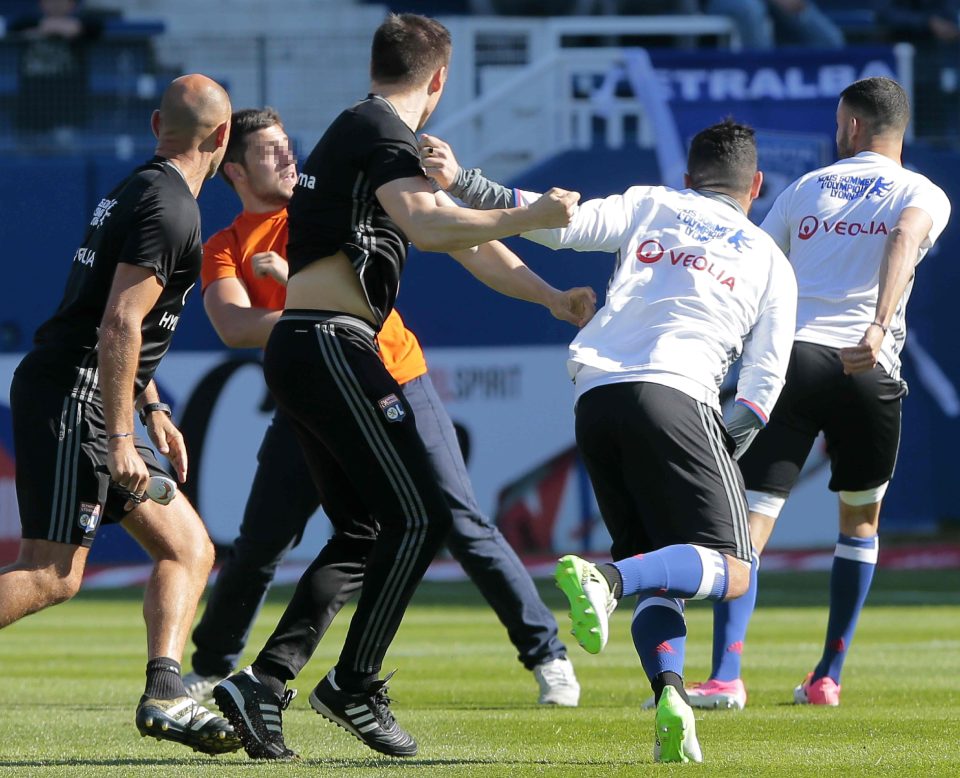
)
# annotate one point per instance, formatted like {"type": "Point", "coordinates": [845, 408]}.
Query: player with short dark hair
{"type": "Point", "coordinates": [79, 462]}
{"type": "Point", "coordinates": [244, 124]}
{"type": "Point", "coordinates": [244, 279]}
{"type": "Point", "coordinates": [696, 285]}
{"type": "Point", "coordinates": [361, 197]}
{"type": "Point", "coordinates": [844, 377]}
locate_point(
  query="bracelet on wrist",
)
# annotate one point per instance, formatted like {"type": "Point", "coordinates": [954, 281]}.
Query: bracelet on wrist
{"type": "Point", "coordinates": [149, 408]}
{"type": "Point", "coordinates": [115, 435]}
{"type": "Point", "coordinates": [878, 324]}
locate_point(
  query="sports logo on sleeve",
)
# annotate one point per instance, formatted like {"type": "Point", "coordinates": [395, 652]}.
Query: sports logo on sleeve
{"type": "Point", "coordinates": [102, 212]}
{"type": "Point", "coordinates": [392, 408]}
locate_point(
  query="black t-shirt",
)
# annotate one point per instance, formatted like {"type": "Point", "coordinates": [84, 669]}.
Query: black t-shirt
{"type": "Point", "coordinates": [335, 207]}
{"type": "Point", "coordinates": [150, 220]}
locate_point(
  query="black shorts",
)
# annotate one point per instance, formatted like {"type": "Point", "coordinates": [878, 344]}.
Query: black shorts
{"type": "Point", "coordinates": [64, 489]}
{"type": "Point", "coordinates": [859, 416]}
{"type": "Point", "coordinates": [661, 467]}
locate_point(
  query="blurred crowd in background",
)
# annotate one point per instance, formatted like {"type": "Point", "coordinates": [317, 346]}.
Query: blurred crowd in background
{"type": "Point", "coordinates": [65, 64]}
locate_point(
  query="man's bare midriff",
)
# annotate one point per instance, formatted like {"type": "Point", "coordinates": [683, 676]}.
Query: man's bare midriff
{"type": "Point", "coordinates": [329, 284]}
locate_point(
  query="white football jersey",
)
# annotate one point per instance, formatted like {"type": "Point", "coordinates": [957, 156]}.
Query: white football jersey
{"type": "Point", "coordinates": [695, 285]}
{"type": "Point", "coordinates": [833, 224]}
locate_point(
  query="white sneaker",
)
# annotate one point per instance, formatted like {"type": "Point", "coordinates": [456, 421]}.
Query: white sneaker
{"type": "Point", "coordinates": [558, 683]}
{"type": "Point", "coordinates": [200, 687]}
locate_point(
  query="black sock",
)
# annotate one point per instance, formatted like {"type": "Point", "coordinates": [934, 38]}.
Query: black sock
{"type": "Point", "coordinates": [613, 578]}
{"type": "Point", "coordinates": [273, 683]}
{"type": "Point", "coordinates": [668, 679]}
{"type": "Point", "coordinates": [352, 681]}
{"type": "Point", "coordinates": [163, 679]}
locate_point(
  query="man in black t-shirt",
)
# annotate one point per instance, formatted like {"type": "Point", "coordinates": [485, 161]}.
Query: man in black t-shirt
{"type": "Point", "coordinates": [361, 197]}
{"type": "Point", "coordinates": [78, 461]}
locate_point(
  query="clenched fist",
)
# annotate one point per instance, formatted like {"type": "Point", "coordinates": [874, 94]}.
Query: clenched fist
{"type": "Point", "coordinates": [554, 209]}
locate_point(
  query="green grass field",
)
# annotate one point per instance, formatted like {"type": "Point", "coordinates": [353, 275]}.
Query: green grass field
{"type": "Point", "coordinates": [71, 677]}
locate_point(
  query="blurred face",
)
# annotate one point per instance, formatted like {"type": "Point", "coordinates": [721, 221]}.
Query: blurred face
{"type": "Point", "coordinates": [846, 130]}
{"type": "Point", "coordinates": [270, 166]}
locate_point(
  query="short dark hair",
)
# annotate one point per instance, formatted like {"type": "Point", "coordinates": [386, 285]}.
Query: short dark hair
{"type": "Point", "coordinates": [724, 157]}
{"type": "Point", "coordinates": [408, 49]}
{"type": "Point", "coordinates": [243, 124]}
{"type": "Point", "coordinates": [880, 102]}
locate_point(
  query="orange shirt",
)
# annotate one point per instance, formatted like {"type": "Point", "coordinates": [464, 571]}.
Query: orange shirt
{"type": "Point", "coordinates": [228, 254]}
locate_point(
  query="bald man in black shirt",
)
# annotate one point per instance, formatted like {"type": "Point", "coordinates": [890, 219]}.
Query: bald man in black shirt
{"type": "Point", "coordinates": [78, 461]}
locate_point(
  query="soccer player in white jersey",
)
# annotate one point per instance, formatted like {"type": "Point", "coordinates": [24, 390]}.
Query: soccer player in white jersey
{"type": "Point", "coordinates": [695, 286]}
{"type": "Point", "coordinates": [854, 232]}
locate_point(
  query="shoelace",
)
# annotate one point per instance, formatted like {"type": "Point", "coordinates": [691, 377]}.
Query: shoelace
{"type": "Point", "coordinates": [380, 702]}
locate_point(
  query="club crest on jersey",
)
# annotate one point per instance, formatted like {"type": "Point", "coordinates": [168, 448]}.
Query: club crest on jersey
{"type": "Point", "coordinates": [89, 516]}
{"type": "Point", "coordinates": [739, 241]}
{"type": "Point", "coordinates": [392, 408]}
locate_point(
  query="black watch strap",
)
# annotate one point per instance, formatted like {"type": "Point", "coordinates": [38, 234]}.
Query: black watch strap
{"type": "Point", "coordinates": [149, 408]}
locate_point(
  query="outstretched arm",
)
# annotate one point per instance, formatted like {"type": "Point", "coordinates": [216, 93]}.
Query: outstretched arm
{"type": "Point", "coordinates": [410, 202]}
{"type": "Point", "coordinates": [597, 225]}
{"type": "Point", "coordinates": [503, 271]}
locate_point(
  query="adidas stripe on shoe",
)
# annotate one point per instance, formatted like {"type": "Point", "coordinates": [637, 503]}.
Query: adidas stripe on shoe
{"type": "Point", "coordinates": [366, 715]}
{"type": "Point", "coordinates": [256, 714]}
{"type": "Point", "coordinates": [183, 720]}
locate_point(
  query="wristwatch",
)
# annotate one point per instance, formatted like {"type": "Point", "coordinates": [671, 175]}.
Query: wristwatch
{"type": "Point", "coordinates": [149, 408]}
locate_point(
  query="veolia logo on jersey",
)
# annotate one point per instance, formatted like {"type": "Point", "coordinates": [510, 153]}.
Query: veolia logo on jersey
{"type": "Point", "coordinates": [651, 251]}
{"type": "Point", "coordinates": [811, 225]}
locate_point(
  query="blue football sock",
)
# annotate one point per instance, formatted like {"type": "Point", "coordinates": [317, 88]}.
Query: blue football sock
{"type": "Point", "coordinates": [685, 571]}
{"type": "Point", "coordinates": [854, 561]}
{"type": "Point", "coordinates": [660, 635]}
{"type": "Point", "coordinates": [730, 621]}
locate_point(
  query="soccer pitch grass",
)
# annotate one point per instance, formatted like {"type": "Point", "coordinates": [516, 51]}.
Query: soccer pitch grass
{"type": "Point", "coordinates": [72, 676]}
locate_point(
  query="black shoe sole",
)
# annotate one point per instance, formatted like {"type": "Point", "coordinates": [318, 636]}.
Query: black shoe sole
{"type": "Point", "coordinates": [382, 748]}
{"type": "Point", "coordinates": [234, 713]}
{"type": "Point", "coordinates": [204, 744]}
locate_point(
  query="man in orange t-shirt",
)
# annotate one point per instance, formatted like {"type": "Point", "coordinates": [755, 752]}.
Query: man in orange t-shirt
{"type": "Point", "coordinates": [244, 276]}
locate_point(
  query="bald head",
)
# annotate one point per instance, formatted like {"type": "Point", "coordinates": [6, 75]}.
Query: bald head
{"type": "Point", "coordinates": [192, 107]}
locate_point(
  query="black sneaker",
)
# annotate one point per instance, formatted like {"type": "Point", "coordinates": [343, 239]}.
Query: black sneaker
{"type": "Point", "coordinates": [183, 720]}
{"type": "Point", "coordinates": [365, 715]}
{"type": "Point", "coordinates": [255, 713]}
